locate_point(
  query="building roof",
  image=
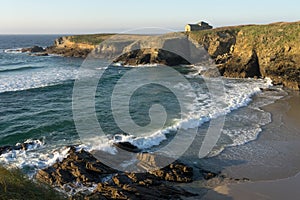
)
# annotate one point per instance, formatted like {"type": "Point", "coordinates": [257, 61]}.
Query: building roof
{"type": "Point", "coordinates": [202, 23]}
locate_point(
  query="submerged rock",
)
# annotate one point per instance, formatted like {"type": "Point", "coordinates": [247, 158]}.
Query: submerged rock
{"type": "Point", "coordinates": [39, 54]}
{"type": "Point", "coordinates": [23, 146]}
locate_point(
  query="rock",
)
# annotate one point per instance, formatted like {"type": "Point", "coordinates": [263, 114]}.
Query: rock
{"type": "Point", "coordinates": [127, 146]}
{"type": "Point", "coordinates": [81, 167]}
{"type": "Point", "coordinates": [78, 166]}
{"type": "Point", "coordinates": [34, 49]}
{"type": "Point", "coordinates": [241, 52]}
{"type": "Point", "coordinates": [69, 52]}
{"type": "Point", "coordinates": [175, 172]}
{"type": "Point", "coordinates": [139, 192]}
{"type": "Point", "coordinates": [65, 46]}
{"type": "Point", "coordinates": [23, 146]}
{"type": "Point", "coordinates": [45, 175]}
{"type": "Point", "coordinates": [121, 179]}
{"type": "Point", "coordinates": [149, 161]}
{"type": "Point", "coordinates": [211, 72]}
{"type": "Point", "coordinates": [39, 54]}
{"type": "Point", "coordinates": [151, 56]}
{"type": "Point", "coordinates": [243, 65]}
{"type": "Point", "coordinates": [144, 179]}
{"type": "Point", "coordinates": [209, 175]}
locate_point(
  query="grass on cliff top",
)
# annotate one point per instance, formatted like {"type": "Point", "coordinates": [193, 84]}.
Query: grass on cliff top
{"type": "Point", "coordinates": [93, 39]}
{"type": "Point", "coordinates": [276, 34]}
{"type": "Point", "coordinates": [14, 185]}
{"type": "Point", "coordinates": [271, 34]}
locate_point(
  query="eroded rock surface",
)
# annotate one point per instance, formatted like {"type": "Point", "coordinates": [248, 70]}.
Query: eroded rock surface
{"type": "Point", "coordinates": [81, 167]}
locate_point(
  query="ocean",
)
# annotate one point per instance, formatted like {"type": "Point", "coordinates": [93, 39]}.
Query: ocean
{"type": "Point", "coordinates": [36, 96]}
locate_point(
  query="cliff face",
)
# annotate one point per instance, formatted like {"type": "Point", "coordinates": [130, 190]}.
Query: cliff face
{"type": "Point", "coordinates": [243, 51]}
{"type": "Point", "coordinates": [256, 51]}
{"type": "Point", "coordinates": [67, 47]}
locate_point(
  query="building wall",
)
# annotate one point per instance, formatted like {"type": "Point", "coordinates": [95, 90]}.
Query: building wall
{"type": "Point", "coordinates": [187, 28]}
{"type": "Point", "coordinates": [196, 27]}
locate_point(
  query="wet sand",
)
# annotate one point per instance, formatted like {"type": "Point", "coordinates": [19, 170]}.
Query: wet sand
{"type": "Point", "coordinates": [272, 162]}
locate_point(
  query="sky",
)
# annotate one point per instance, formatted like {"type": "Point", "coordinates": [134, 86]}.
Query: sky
{"type": "Point", "coordinates": [117, 16]}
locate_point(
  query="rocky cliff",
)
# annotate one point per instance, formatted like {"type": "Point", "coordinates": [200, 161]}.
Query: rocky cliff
{"type": "Point", "coordinates": [271, 50]}
{"type": "Point", "coordinates": [67, 47]}
{"type": "Point", "coordinates": [256, 51]}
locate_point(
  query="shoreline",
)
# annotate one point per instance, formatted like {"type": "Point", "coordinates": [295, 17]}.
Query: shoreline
{"type": "Point", "coordinates": [200, 173]}
{"type": "Point", "coordinates": [274, 169]}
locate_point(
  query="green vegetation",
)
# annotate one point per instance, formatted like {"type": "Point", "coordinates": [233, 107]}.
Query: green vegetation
{"type": "Point", "coordinates": [275, 34]}
{"type": "Point", "coordinates": [199, 35]}
{"type": "Point", "coordinates": [14, 185]}
{"type": "Point", "coordinates": [93, 39]}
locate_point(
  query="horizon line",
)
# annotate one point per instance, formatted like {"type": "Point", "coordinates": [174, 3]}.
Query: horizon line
{"type": "Point", "coordinates": [122, 32]}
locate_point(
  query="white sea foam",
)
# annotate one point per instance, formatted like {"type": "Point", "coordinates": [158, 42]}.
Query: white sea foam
{"type": "Point", "coordinates": [36, 156]}
{"type": "Point", "coordinates": [73, 188]}
{"type": "Point", "coordinates": [96, 144]}
{"type": "Point", "coordinates": [38, 78]}
{"type": "Point", "coordinates": [17, 50]}
{"type": "Point", "coordinates": [238, 93]}
{"type": "Point", "coordinates": [140, 65]}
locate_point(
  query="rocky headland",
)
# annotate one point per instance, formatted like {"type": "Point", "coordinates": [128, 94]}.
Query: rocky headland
{"type": "Point", "coordinates": [271, 50]}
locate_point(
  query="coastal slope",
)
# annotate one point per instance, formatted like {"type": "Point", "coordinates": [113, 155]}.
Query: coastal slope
{"type": "Point", "coordinates": [271, 50]}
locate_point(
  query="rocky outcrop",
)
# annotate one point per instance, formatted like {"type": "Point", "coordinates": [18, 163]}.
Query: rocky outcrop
{"type": "Point", "coordinates": [68, 48]}
{"type": "Point", "coordinates": [170, 49]}
{"type": "Point", "coordinates": [80, 170]}
{"type": "Point", "coordinates": [243, 51]}
{"type": "Point", "coordinates": [80, 167]}
{"type": "Point", "coordinates": [243, 66]}
{"type": "Point", "coordinates": [151, 56]}
{"type": "Point", "coordinates": [127, 146]}
{"type": "Point", "coordinates": [256, 51]}
{"type": "Point", "coordinates": [34, 49]}
{"type": "Point", "coordinates": [18, 147]}
{"type": "Point", "coordinates": [69, 52]}
{"type": "Point", "coordinates": [39, 54]}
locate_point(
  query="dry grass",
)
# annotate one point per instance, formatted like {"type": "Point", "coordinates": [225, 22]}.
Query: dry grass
{"type": "Point", "coordinates": [14, 185]}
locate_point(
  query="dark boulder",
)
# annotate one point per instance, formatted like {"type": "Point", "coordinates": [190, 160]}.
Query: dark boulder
{"type": "Point", "coordinates": [69, 52]}
{"type": "Point", "coordinates": [127, 146]}
{"type": "Point", "coordinates": [34, 49]}
{"type": "Point", "coordinates": [23, 146]}
{"type": "Point", "coordinates": [151, 56]}
{"type": "Point", "coordinates": [39, 54]}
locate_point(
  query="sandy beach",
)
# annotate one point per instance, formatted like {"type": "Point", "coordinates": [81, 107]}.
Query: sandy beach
{"type": "Point", "coordinates": [271, 163]}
